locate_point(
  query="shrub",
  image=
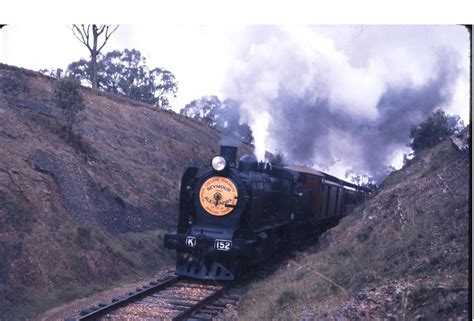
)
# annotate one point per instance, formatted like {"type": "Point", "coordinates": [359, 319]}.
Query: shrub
{"type": "Point", "coordinates": [67, 95]}
{"type": "Point", "coordinates": [435, 129]}
{"type": "Point", "coordinates": [13, 84]}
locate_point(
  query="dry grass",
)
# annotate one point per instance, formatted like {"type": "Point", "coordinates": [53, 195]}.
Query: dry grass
{"type": "Point", "coordinates": [144, 252]}
{"type": "Point", "coordinates": [390, 257]}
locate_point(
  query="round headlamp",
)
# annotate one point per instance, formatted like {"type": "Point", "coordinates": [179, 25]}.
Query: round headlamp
{"type": "Point", "coordinates": [218, 163]}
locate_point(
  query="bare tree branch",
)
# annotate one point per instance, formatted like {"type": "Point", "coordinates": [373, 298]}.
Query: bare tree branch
{"type": "Point", "coordinates": [75, 29]}
{"type": "Point", "coordinates": [86, 33]}
{"type": "Point", "coordinates": [101, 29]}
{"type": "Point", "coordinates": [107, 36]}
{"type": "Point", "coordinates": [161, 93]}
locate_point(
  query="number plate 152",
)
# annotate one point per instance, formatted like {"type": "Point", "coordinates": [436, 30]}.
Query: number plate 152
{"type": "Point", "coordinates": [222, 245]}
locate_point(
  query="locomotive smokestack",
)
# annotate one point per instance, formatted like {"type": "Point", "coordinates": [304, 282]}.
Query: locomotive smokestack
{"type": "Point", "coordinates": [230, 154]}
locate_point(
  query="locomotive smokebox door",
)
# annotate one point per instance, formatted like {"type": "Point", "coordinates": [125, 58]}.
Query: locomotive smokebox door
{"type": "Point", "coordinates": [218, 196]}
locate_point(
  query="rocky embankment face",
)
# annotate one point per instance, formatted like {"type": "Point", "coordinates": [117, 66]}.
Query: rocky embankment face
{"type": "Point", "coordinates": [85, 207]}
{"type": "Point", "coordinates": [403, 255]}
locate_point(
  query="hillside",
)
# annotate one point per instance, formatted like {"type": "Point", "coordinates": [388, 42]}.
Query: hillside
{"type": "Point", "coordinates": [403, 255]}
{"type": "Point", "coordinates": [80, 212]}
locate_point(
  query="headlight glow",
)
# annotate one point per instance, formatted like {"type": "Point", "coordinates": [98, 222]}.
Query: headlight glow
{"type": "Point", "coordinates": [218, 163]}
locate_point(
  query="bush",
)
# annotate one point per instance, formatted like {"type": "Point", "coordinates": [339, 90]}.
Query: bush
{"type": "Point", "coordinates": [67, 95]}
{"type": "Point", "coordinates": [13, 83]}
{"type": "Point", "coordinates": [435, 129]}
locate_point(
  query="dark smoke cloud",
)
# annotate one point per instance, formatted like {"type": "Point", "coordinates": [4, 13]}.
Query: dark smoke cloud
{"type": "Point", "coordinates": [306, 128]}
{"type": "Point", "coordinates": [321, 111]}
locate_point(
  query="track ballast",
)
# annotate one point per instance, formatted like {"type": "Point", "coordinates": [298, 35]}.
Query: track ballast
{"type": "Point", "coordinates": [170, 298]}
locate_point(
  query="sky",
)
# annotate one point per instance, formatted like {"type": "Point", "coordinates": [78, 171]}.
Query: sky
{"type": "Point", "coordinates": [351, 87]}
{"type": "Point", "coordinates": [196, 54]}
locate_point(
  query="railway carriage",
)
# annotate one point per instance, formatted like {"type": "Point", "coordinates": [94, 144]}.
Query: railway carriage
{"type": "Point", "coordinates": [232, 217]}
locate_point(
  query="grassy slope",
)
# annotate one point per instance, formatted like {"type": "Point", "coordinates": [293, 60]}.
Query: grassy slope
{"type": "Point", "coordinates": [402, 255]}
{"type": "Point", "coordinates": [134, 255]}
{"type": "Point", "coordinates": [83, 214]}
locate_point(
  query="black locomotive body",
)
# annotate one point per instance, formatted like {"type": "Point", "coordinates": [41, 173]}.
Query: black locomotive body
{"type": "Point", "coordinates": [232, 217]}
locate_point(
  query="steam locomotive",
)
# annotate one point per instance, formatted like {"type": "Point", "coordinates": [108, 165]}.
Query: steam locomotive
{"type": "Point", "coordinates": [232, 217]}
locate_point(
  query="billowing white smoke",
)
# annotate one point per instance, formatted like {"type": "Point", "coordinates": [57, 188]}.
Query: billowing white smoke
{"type": "Point", "coordinates": [324, 105]}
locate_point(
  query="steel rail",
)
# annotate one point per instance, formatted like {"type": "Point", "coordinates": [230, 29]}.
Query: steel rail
{"type": "Point", "coordinates": [209, 299]}
{"type": "Point", "coordinates": [122, 301]}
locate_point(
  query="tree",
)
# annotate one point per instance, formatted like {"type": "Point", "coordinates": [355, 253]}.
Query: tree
{"type": "Point", "coordinates": [204, 109]}
{"type": "Point", "coordinates": [229, 121]}
{"type": "Point", "coordinates": [55, 73]}
{"type": "Point", "coordinates": [276, 159]}
{"type": "Point", "coordinates": [363, 180]}
{"type": "Point", "coordinates": [162, 82]}
{"type": "Point", "coordinates": [223, 116]}
{"type": "Point", "coordinates": [126, 73]}
{"type": "Point", "coordinates": [92, 42]}
{"type": "Point", "coordinates": [435, 129]}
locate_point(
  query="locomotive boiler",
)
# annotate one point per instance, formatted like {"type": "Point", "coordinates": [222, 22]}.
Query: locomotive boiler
{"type": "Point", "coordinates": [232, 216]}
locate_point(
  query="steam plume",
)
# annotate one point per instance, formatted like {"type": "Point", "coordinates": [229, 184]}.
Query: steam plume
{"type": "Point", "coordinates": [324, 107]}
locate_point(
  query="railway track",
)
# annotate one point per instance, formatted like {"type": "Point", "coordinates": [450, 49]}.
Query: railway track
{"type": "Point", "coordinates": [171, 298]}
{"type": "Point", "coordinates": [179, 298]}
